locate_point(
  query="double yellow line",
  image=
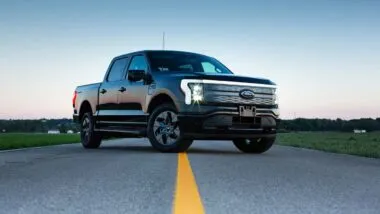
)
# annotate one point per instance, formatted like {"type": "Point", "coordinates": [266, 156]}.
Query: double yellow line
{"type": "Point", "coordinates": [187, 198]}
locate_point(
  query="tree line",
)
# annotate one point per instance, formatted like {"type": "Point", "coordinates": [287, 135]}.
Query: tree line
{"type": "Point", "coordinates": [42, 125]}
{"type": "Point", "coordinates": [299, 124]}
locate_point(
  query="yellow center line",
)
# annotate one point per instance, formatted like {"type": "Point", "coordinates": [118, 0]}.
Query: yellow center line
{"type": "Point", "coordinates": [187, 198]}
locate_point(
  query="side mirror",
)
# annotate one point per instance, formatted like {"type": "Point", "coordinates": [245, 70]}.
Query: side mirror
{"type": "Point", "coordinates": [136, 75]}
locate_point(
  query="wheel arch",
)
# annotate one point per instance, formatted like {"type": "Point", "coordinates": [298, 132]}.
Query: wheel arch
{"type": "Point", "coordinates": [159, 99]}
{"type": "Point", "coordinates": [84, 107]}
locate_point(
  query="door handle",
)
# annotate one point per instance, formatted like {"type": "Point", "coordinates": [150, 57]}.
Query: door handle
{"type": "Point", "coordinates": [103, 91]}
{"type": "Point", "coordinates": [122, 89]}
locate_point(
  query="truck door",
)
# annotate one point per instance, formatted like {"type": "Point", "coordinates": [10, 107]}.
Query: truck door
{"type": "Point", "coordinates": [108, 92]}
{"type": "Point", "coordinates": [132, 100]}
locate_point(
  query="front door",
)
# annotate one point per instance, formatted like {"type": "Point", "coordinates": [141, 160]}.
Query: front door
{"type": "Point", "coordinates": [131, 101]}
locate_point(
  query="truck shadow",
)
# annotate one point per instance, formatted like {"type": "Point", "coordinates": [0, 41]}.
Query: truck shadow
{"type": "Point", "coordinates": [144, 147]}
{"type": "Point", "coordinates": [213, 151]}
{"type": "Point", "coordinates": [149, 149]}
{"type": "Point", "coordinates": [129, 148]}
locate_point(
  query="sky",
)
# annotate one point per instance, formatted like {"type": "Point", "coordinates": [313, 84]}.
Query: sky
{"type": "Point", "coordinates": [323, 55]}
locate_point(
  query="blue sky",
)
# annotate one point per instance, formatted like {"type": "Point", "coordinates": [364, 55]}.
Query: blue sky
{"type": "Point", "coordinates": [324, 55]}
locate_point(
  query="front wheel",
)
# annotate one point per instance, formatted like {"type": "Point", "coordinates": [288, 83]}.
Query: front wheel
{"type": "Point", "coordinates": [89, 138]}
{"type": "Point", "coordinates": [164, 132]}
{"type": "Point", "coordinates": [256, 145]}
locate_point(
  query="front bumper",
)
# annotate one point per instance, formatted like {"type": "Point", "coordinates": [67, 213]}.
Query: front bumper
{"type": "Point", "coordinates": [223, 123]}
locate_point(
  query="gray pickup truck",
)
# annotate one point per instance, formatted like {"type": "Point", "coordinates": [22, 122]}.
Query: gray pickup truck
{"type": "Point", "coordinates": [173, 98]}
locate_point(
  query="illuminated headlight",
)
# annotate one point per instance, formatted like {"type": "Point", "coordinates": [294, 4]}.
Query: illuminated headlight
{"type": "Point", "coordinates": [196, 92]}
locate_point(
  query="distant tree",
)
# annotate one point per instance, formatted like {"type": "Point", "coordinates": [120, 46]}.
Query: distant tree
{"type": "Point", "coordinates": [62, 128]}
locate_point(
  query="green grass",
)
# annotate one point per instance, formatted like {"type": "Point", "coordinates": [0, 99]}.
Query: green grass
{"type": "Point", "coordinates": [20, 140]}
{"type": "Point", "coordinates": [367, 145]}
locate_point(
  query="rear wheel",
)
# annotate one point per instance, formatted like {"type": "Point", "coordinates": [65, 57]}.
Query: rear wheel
{"type": "Point", "coordinates": [256, 145]}
{"type": "Point", "coordinates": [89, 138]}
{"type": "Point", "coordinates": [164, 132]}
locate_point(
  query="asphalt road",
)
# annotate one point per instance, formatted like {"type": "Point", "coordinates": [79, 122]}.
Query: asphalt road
{"type": "Point", "coordinates": [128, 176]}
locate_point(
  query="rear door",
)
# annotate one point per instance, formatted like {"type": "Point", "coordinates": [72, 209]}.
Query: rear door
{"type": "Point", "coordinates": [132, 100]}
{"type": "Point", "coordinates": [109, 90]}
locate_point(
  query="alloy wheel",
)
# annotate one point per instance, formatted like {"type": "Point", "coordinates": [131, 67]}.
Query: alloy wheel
{"type": "Point", "coordinates": [165, 128]}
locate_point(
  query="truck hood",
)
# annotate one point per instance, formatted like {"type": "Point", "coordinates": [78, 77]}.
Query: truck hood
{"type": "Point", "coordinates": [221, 77]}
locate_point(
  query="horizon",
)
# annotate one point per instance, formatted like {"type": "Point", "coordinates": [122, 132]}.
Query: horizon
{"type": "Point", "coordinates": [324, 56]}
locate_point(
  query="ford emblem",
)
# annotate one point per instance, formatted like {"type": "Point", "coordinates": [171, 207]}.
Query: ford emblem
{"type": "Point", "coordinates": [247, 94]}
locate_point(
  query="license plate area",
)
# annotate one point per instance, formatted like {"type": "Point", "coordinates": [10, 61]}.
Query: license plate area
{"type": "Point", "coordinates": [247, 111]}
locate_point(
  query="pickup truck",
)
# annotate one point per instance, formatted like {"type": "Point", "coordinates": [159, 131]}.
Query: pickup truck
{"type": "Point", "coordinates": [174, 98]}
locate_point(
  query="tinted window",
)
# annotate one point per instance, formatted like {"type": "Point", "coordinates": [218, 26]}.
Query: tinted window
{"type": "Point", "coordinates": [138, 63]}
{"type": "Point", "coordinates": [117, 70]}
{"type": "Point", "coordinates": [167, 61]}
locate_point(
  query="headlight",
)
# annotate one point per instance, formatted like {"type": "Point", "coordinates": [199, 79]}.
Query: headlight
{"type": "Point", "coordinates": [193, 90]}
{"type": "Point", "coordinates": [196, 92]}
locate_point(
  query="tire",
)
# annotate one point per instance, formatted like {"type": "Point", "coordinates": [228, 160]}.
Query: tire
{"type": "Point", "coordinates": [257, 145]}
{"type": "Point", "coordinates": [89, 138]}
{"type": "Point", "coordinates": [163, 130]}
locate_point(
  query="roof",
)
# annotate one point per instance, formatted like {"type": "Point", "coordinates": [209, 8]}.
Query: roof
{"type": "Point", "coordinates": [146, 51]}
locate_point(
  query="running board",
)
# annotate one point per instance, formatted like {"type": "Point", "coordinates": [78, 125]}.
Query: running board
{"type": "Point", "coordinates": [140, 132]}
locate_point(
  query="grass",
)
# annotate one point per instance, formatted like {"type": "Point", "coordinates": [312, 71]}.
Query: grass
{"type": "Point", "coordinates": [20, 140]}
{"type": "Point", "coordinates": [367, 145]}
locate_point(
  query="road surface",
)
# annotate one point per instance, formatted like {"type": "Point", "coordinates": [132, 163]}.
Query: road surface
{"type": "Point", "coordinates": [128, 176]}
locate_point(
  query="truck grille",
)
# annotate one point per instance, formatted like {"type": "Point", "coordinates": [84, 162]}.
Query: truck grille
{"type": "Point", "coordinates": [230, 94]}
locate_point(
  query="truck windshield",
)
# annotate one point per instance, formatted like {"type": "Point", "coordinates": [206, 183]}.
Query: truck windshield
{"type": "Point", "coordinates": [166, 61]}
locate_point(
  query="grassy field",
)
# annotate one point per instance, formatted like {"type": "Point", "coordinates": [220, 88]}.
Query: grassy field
{"type": "Point", "coordinates": [367, 145]}
{"type": "Point", "coordinates": [18, 140]}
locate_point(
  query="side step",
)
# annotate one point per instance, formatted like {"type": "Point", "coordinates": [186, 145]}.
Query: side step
{"type": "Point", "coordinates": [123, 132]}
